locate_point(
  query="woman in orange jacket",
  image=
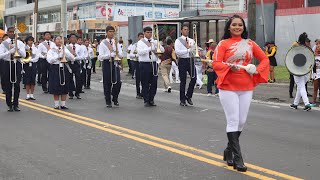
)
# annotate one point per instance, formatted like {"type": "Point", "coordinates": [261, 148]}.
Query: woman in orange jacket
{"type": "Point", "coordinates": [236, 85]}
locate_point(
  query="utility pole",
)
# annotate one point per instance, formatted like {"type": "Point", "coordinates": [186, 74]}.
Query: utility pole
{"type": "Point", "coordinates": [35, 20]}
{"type": "Point", "coordinates": [64, 17]}
{"type": "Point", "coordinates": [252, 19]}
{"type": "Point", "coordinates": [264, 22]}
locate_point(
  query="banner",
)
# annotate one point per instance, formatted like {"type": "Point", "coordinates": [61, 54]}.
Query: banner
{"type": "Point", "coordinates": [110, 11]}
{"type": "Point", "coordinates": [101, 9]}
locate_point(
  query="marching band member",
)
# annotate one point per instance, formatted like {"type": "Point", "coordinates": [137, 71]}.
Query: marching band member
{"type": "Point", "coordinates": [43, 67]}
{"type": "Point", "coordinates": [316, 72]}
{"type": "Point", "coordinates": [83, 64]}
{"type": "Point", "coordinates": [30, 69]}
{"type": "Point", "coordinates": [236, 85]}
{"type": "Point", "coordinates": [7, 51]}
{"type": "Point", "coordinates": [110, 68]}
{"type": "Point", "coordinates": [301, 81]}
{"type": "Point", "coordinates": [212, 76]}
{"type": "Point", "coordinates": [129, 60]}
{"type": "Point", "coordinates": [146, 48]}
{"type": "Point", "coordinates": [77, 51]}
{"type": "Point", "coordinates": [59, 79]}
{"type": "Point", "coordinates": [183, 47]}
{"type": "Point", "coordinates": [136, 65]}
{"type": "Point", "coordinates": [89, 55]}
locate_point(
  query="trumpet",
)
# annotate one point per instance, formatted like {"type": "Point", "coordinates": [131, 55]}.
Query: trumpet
{"type": "Point", "coordinates": [63, 61]}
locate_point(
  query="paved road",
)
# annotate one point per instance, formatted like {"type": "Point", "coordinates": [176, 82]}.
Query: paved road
{"type": "Point", "coordinates": [167, 142]}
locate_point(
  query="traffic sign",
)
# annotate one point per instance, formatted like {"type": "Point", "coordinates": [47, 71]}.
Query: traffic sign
{"type": "Point", "coordinates": [22, 27]}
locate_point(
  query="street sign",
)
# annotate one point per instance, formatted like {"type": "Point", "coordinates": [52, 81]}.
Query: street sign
{"type": "Point", "coordinates": [22, 27]}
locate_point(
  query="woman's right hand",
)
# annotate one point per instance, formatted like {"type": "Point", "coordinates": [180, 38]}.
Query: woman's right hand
{"type": "Point", "coordinates": [234, 68]}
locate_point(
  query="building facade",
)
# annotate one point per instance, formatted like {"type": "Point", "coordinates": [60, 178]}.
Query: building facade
{"type": "Point", "coordinates": [89, 17]}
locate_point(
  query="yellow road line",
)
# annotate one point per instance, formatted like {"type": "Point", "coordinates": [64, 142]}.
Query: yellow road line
{"type": "Point", "coordinates": [168, 148]}
{"type": "Point", "coordinates": [210, 154]}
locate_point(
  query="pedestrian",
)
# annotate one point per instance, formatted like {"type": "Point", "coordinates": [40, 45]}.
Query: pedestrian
{"type": "Point", "coordinates": [271, 53]}
{"type": "Point", "coordinates": [212, 75]}
{"type": "Point", "coordinates": [30, 68]}
{"type": "Point", "coordinates": [236, 85]}
{"type": "Point", "coordinates": [59, 73]}
{"type": "Point", "coordinates": [166, 63]}
{"type": "Point", "coordinates": [316, 72]}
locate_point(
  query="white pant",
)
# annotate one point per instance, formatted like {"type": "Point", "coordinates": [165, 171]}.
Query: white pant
{"type": "Point", "coordinates": [236, 106]}
{"type": "Point", "coordinates": [174, 68]}
{"type": "Point", "coordinates": [301, 89]}
{"type": "Point", "coordinates": [199, 75]}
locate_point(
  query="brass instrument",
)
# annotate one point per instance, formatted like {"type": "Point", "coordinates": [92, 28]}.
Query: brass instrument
{"type": "Point", "coordinates": [15, 56]}
{"type": "Point", "coordinates": [156, 36]}
{"type": "Point", "coordinates": [63, 61]}
{"type": "Point", "coordinates": [195, 37]}
{"type": "Point", "coordinates": [28, 57]}
{"type": "Point", "coordinates": [116, 59]}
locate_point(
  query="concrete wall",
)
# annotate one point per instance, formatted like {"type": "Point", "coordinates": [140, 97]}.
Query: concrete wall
{"type": "Point", "coordinates": [288, 29]}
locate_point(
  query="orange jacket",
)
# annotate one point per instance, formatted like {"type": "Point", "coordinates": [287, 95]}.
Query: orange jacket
{"type": "Point", "coordinates": [239, 51]}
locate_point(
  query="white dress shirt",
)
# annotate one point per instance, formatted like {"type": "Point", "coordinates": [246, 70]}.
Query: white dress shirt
{"type": "Point", "coordinates": [54, 55]}
{"type": "Point", "coordinates": [79, 54]}
{"type": "Point", "coordinates": [104, 52]}
{"type": "Point", "coordinates": [181, 50]}
{"type": "Point", "coordinates": [35, 53]}
{"type": "Point", "coordinates": [129, 50]}
{"type": "Point", "coordinates": [43, 50]}
{"type": "Point", "coordinates": [143, 50]}
{"type": "Point", "coordinates": [5, 53]}
{"type": "Point", "coordinates": [133, 48]}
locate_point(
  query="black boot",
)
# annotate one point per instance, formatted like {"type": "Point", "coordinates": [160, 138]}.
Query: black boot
{"type": "Point", "coordinates": [238, 164]}
{"type": "Point", "coordinates": [228, 156]}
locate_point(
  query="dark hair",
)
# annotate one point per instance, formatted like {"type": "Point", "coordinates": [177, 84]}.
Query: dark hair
{"type": "Point", "coordinates": [46, 32]}
{"type": "Point", "coordinates": [302, 38]}
{"type": "Point", "coordinates": [267, 43]}
{"type": "Point", "coordinates": [184, 25]}
{"type": "Point", "coordinates": [73, 34]}
{"type": "Point", "coordinates": [29, 38]}
{"type": "Point", "coordinates": [10, 28]}
{"type": "Point", "coordinates": [140, 33]}
{"type": "Point", "coordinates": [5, 35]}
{"type": "Point", "coordinates": [147, 29]}
{"type": "Point", "coordinates": [109, 28]}
{"type": "Point", "coordinates": [308, 40]}
{"type": "Point", "coordinates": [130, 41]}
{"type": "Point", "coordinates": [169, 41]}
{"type": "Point", "coordinates": [227, 33]}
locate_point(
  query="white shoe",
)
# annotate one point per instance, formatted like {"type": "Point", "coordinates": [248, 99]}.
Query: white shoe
{"type": "Point", "coordinates": [200, 86]}
{"type": "Point", "coordinates": [209, 94]}
{"type": "Point", "coordinates": [177, 81]}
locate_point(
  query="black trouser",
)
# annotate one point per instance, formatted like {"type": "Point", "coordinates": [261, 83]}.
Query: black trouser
{"type": "Point", "coordinates": [212, 77]}
{"type": "Point", "coordinates": [94, 60]}
{"type": "Point", "coordinates": [76, 72]}
{"type": "Point", "coordinates": [83, 74]}
{"type": "Point", "coordinates": [87, 77]}
{"type": "Point", "coordinates": [8, 85]}
{"type": "Point", "coordinates": [130, 66]}
{"type": "Point", "coordinates": [2, 74]}
{"type": "Point", "coordinates": [184, 67]}
{"type": "Point", "coordinates": [39, 72]}
{"type": "Point", "coordinates": [138, 76]}
{"type": "Point", "coordinates": [149, 81]}
{"type": "Point", "coordinates": [111, 85]}
{"type": "Point", "coordinates": [44, 69]}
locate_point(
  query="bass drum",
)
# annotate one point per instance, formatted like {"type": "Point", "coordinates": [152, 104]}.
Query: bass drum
{"type": "Point", "coordinates": [299, 60]}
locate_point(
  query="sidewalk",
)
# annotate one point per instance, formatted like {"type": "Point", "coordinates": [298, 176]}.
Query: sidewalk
{"type": "Point", "coordinates": [271, 92]}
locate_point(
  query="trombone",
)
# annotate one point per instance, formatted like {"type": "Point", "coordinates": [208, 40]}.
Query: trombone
{"type": "Point", "coordinates": [158, 51]}
{"type": "Point", "coordinates": [196, 54]}
{"type": "Point", "coordinates": [63, 61]}
{"type": "Point", "coordinates": [116, 59]}
{"type": "Point", "coordinates": [16, 56]}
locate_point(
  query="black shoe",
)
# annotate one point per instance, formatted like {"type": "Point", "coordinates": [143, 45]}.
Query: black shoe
{"type": "Point", "coordinates": [169, 90]}
{"type": "Point", "coordinates": [32, 98]}
{"type": "Point", "coordinates": [307, 107]}
{"type": "Point", "coordinates": [46, 92]}
{"type": "Point", "coordinates": [78, 96]}
{"type": "Point", "coordinates": [16, 108]}
{"type": "Point", "coordinates": [238, 164]}
{"type": "Point", "coordinates": [183, 104]}
{"type": "Point", "coordinates": [56, 107]}
{"type": "Point", "coordinates": [109, 105]}
{"type": "Point", "coordinates": [228, 156]}
{"type": "Point", "coordinates": [81, 91]}
{"type": "Point", "coordinates": [10, 109]}
{"type": "Point", "coordinates": [189, 101]}
{"type": "Point", "coordinates": [88, 87]}
{"type": "Point", "coordinates": [291, 95]}
{"type": "Point", "coordinates": [152, 103]}
{"type": "Point", "coordinates": [139, 97]}
{"type": "Point", "coordinates": [116, 103]}
{"type": "Point", "coordinates": [147, 104]}
{"type": "Point", "coordinates": [70, 97]}
{"type": "Point", "coordinates": [309, 95]}
{"type": "Point", "coordinates": [292, 106]}
{"type": "Point", "coordinates": [64, 107]}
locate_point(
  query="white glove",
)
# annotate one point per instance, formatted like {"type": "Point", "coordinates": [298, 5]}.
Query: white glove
{"type": "Point", "coordinates": [251, 69]}
{"type": "Point", "coordinates": [113, 54]}
{"type": "Point", "coordinates": [89, 67]}
{"type": "Point", "coordinates": [12, 51]}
